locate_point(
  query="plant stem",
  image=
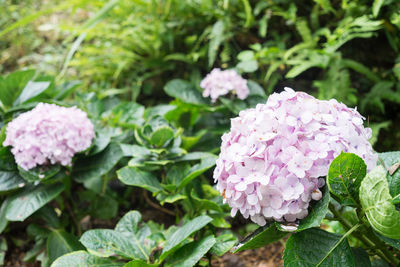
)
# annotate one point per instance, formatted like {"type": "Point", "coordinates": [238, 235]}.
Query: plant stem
{"type": "Point", "coordinates": [370, 241]}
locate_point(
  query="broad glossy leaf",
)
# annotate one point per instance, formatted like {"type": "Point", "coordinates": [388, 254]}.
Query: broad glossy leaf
{"type": "Point", "coordinates": [182, 233]}
{"type": "Point", "coordinates": [313, 246]}
{"type": "Point", "coordinates": [7, 162]}
{"type": "Point", "coordinates": [3, 209]}
{"type": "Point", "coordinates": [261, 237]}
{"type": "Point", "coordinates": [392, 242]}
{"type": "Point", "coordinates": [140, 263]}
{"type": "Point", "coordinates": [195, 156]}
{"type": "Point", "coordinates": [129, 114]}
{"type": "Point", "coordinates": [29, 200]}
{"type": "Point", "coordinates": [204, 204]}
{"type": "Point", "coordinates": [96, 166]}
{"type": "Point", "coordinates": [104, 207]}
{"type": "Point", "coordinates": [106, 242]}
{"type": "Point", "coordinates": [10, 180]}
{"type": "Point", "coordinates": [60, 243]}
{"type": "Point", "coordinates": [12, 85]}
{"type": "Point", "coordinates": [134, 151]}
{"type": "Point", "coordinates": [161, 135]}
{"type": "Point", "coordinates": [316, 213]}
{"type": "Point", "coordinates": [84, 259]}
{"type": "Point", "coordinates": [31, 90]}
{"type": "Point", "coordinates": [198, 169]}
{"type": "Point", "coordinates": [390, 159]}
{"type": "Point", "coordinates": [184, 91]}
{"type": "Point", "coordinates": [129, 222]}
{"type": "Point", "coordinates": [344, 178]}
{"type": "Point", "coordinates": [256, 89]}
{"type": "Point", "coordinates": [379, 263]}
{"type": "Point", "coordinates": [361, 257]}
{"type": "Point", "coordinates": [190, 254]}
{"type": "Point", "coordinates": [39, 173]}
{"type": "Point", "coordinates": [223, 244]}
{"type": "Point", "coordinates": [136, 177]}
{"type": "Point", "coordinates": [377, 204]}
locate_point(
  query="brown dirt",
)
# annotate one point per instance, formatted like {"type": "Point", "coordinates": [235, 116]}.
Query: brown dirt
{"type": "Point", "coordinates": [268, 256]}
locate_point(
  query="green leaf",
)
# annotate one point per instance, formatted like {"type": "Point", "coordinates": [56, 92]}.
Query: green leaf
{"type": "Point", "coordinates": [26, 202]}
{"type": "Point", "coordinates": [317, 212]}
{"type": "Point", "coordinates": [129, 114]}
{"type": "Point", "coordinates": [134, 151]}
{"type": "Point", "coordinates": [312, 247]}
{"type": "Point", "coordinates": [198, 169]}
{"type": "Point", "coordinates": [39, 173]}
{"type": "Point", "coordinates": [190, 254]}
{"type": "Point", "coordinates": [184, 91]}
{"type": "Point", "coordinates": [379, 263]}
{"type": "Point", "coordinates": [106, 242]}
{"type": "Point", "coordinates": [12, 85]}
{"type": "Point", "coordinates": [84, 259]}
{"type": "Point", "coordinates": [376, 7]}
{"type": "Point", "coordinates": [261, 237]}
{"type": "Point", "coordinates": [204, 204]}
{"type": "Point", "coordinates": [3, 250]}
{"type": "Point", "coordinates": [3, 219]}
{"type": "Point", "coordinates": [161, 135]}
{"type": "Point", "coordinates": [392, 242]}
{"type": "Point", "coordinates": [136, 177]}
{"type": "Point", "coordinates": [140, 263]}
{"type": "Point", "coordinates": [389, 159]}
{"type": "Point", "coordinates": [377, 204]}
{"type": "Point", "coordinates": [104, 207]}
{"type": "Point", "coordinates": [248, 66]}
{"type": "Point", "coordinates": [10, 180]}
{"type": "Point", "coordinates": [31, 90]}
{"type": "Point", "coordinates": [7, 162]}
{"type": "Point", "coordinates": [361, 257]}
{"type": "Point", "coordinates": [182, 233]}
{"type": "Point", "coordinates": [60, 243]}
{"type": "Point", "coordinates": [344, 177]}
{"type": "Point", "coordinates": [129, 223]}
{"type": "Point", "coordinates": [216, 38]}
{"type": "Point", "coordinates": [223, 244]}
{"type": "Point", "coordinates": [96, 166]}
{"type": "Point", "coordinates": [256, 89]}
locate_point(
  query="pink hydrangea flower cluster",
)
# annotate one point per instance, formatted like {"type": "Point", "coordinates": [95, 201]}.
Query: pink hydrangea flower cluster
{"type": "Point", "coordinates": [274, 156]}
{"type": "Point", "coordinates": [48, 134]}
{"type": "Point", "coordinates": [221, 82]}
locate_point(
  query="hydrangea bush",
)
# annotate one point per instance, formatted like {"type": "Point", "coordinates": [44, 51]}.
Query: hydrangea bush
{"type": "Point", "coordinates": [274, 157]}
{"type": "Point", "coordinates": [49, 134]}
{"type": "Point", "coordinates": [221, 82]}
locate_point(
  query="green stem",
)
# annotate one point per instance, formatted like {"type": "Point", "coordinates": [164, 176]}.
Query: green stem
{"type": "Point", "coordinates": [378, 246]}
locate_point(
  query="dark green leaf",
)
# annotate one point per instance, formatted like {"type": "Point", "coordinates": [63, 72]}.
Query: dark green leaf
{"type": "Point", "coordinates": [7, 162]}
{"type": "Point", "coordinates": [136, 177]}
{"type": "Point", "coordinates": [96, 166]}
{"type": "Point", "coordinates": [60, 243]}
{"type": "Point", "coordinates": [182, 233]}
{"type": "Point", "coordinates": [140, 263]}
{"type": "Point", "coordinates": [184, 91]}
{"type": "Point", "coordinates": [13, 84]}
{"type": "Point", "coordinates": [392, 242]}
{"type": "Point", "coordinates": [3, 209]}
{"type": "Point", "coordinates": [379, 263]}
{"type": "Point", "coordinates": [261, 237]}
{"type": "Point", "coordinates": [84, 259]}
{"type": "Point", "coordinates": [198, 169]}
{"type": "Point", "coordinates": [312, 247]}
{"type": "Point", "coordinates": [361, 257]}
{"type": "Point", "coordinates": [39, 173]}
{"type": "Point", "coordinates": [344, 178]}
{"type": "Point", "coordinates": [377, 204]}
{"type": "Point", "coordinates": [216, 38]}
{"type": "Point", "coordinates": [26, 202]}
{"type": "Point", "coordinates": [104, 207]}
{"type": "Point", "coordinates": [10, 180]}
{"type": "Point", "coordinates": [3, 250]}
{"type": "Point", "coordinates": [190, 254]}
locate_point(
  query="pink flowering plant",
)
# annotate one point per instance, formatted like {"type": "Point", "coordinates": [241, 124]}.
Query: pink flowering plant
{"type": "Point", "coordinates": [295, 160]}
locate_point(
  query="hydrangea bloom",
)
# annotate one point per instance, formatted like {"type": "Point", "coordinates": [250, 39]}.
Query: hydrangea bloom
{"type": "Point", "coordinates": [48, 134]}
{"type": "Point", "coordinates": [221, 82]}
{"type": "Point", "coordinates": [274, 156]}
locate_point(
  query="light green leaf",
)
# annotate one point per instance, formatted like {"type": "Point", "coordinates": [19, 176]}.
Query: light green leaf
{"type": "Point", "coordinates": [12, 85]}
{"type": "Point", "coordinates": [344, 178]}
{"type": "Point", "coordinates": [256, 89]}
{"type": "Point", "coordinates": [136, 177]}
{"type": "Point", "coordinates": [26, 202]}
{"type": "Point", "coordinates": [182, 233]}
{"type": "Point", "coordinates": [60, 243]}
{"type": "Point", "coordinates": [84, 259]}
{"type": "Point", "coordinates": [216, 38]}
{"type": "Point", "coordinates": [3, 219]}
{"type": "Point", "coordinates": [190, 254]}
{"type": "Point", "coordinates": [261, 237]}
{"type": "Point", "coordinates": [161, 135]}
{"type": "Point", "coordinates": [106, 242]}
{"type": "Point", "coordinates": [198, 169]}
{"type": "Point", "coordinates": [31, 90]}
{"type": "Point", "coordinates": [313, 247]}
{"type": "Point", "coordinates": [129, 223]}
{"type": "Point", "coordinates": [10, 180]}
{"type": "Point", "coordinates": [389, 159]}
{"type": "Point", "coordinates": [223, 244]}
{"type": "Point", "coordinates": [377, 204]}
